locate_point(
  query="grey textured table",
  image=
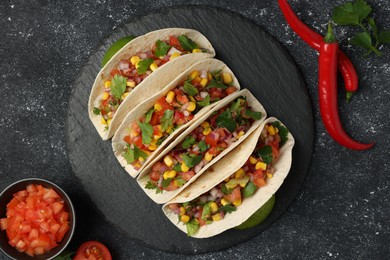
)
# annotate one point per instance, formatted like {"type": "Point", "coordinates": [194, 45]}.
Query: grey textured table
{"type": "Point", "coordinates": [342, 211]}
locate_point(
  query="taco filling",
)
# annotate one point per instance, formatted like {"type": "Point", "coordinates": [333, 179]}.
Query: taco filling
{"type": "Point", "coordinates": [178, 107]}
{"type": "Point", "coordinates": [204, 143]}
{"type": "Point", "coordinates": [130, 73]}
{"type": "Point", "coordinates": [225, 197]}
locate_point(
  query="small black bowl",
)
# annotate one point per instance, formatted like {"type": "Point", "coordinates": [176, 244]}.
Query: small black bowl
{"type": "Point", "coordinates": [7, 195]}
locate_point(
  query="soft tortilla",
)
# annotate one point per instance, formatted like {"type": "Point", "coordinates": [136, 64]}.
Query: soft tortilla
{"type": "Point", "coordinates": [226, 167]}
{"type": "Point", "coordinates": [119, 146]}
{"type": "Point", "coordinates": [143, 178]}
{"type": "Point", "coordinates": [153, 83]}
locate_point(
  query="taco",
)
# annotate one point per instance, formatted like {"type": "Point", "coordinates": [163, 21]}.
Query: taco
{"type": "Point", "coordinates": [153, 124]}
{"type": "Point", "coordinates": [232, 190]}
{"type": "Point", "coordinates": [138, 71]}
{"type": "Point", "coordinates": [202, 144]}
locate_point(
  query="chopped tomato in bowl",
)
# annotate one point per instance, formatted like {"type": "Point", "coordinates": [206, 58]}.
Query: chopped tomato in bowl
{"type": "Point", "coordinates": [37, 219]}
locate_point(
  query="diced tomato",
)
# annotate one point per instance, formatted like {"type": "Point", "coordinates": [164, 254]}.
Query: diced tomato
{"type": "Point", "coordinates": [54, 228]}
{"type": "Point", "coordinates": [20, 246]}
{"type": "Point", "coordinates": [275, 149]}
{"type": "Point", "coordinates": [25, 227]}
{"type": "Point", "coordinates": [13, 203]}
{"type": "Point", "coordinates": [154, 176]}
{"type": "Point", "coordinates": [155, 120]}
{"type": "Point", "coordinates": [187, 175]}
{"type": "Point", "coordinates": [39, 250]}
{"type": "Point", "coordinates": [4, 223]}
{"type": "Point", "coordinates": [57, 207]}
{"type": "Point", "coordinates": [115, 72]}
{"type": "Point", "coordinates": [33, 234]}
{"type": "Point", "coordinates": [63, 217]}
{"type": "Point", "coordinates": [182, 98]}
{"type": "Point", "coordinates": [179, 118]}
{"type": "Point", "coordinates": [171, 186]}
{"type": "Point", "coordinates": [200, 220]}
{"type": "Point", "coordinates": [235, 195]}
{"type": "Point", "coordinates": [258, 179]}
{"type": "Point", "coordinates": [212, 138]}
{"type": "Point", "coordinates": [213, 151]}
{"type": "Point", "coordinates": [216, 93]}
{"type": "Point", "coordinates": [43, 240]}
{"type": "Point", "coordinates": [196, 80]}
{"type": "Point", "coordinates": [230, 90]}
{"type": "Point", "coordinates": [164, 104]}
{"type": "Point", "coordinates": [173, 41]}
{"type": "Point", "coordinates": [127, 139]}
{"type": "Point", "coordinates": [62, 231]}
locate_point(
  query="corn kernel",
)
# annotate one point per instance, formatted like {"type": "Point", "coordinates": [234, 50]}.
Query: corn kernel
{"type": "Point", "coordinates": [169, 129]}
{"type": "Point", "coordinates": [208, 156]}
{"type": "Point", "coordinates": [107, 83]}
{"type": "Point", "coordinates": [130, 84]}
{"type": "Point", "coordinates": [216, 217]}
{"type": "Point", "coordinates": [261, 166]}
{"type": "Point", "coordinates": [103, 121]}
{"type": "Point", "coordinates": [209, 76]}
{"type": "Point", "coordinates": [177, 183]}
{"type": "Point", "coordinates": [166, 175]}
{"type": "Point", "coordinates": [227, 77]}
{"type": "Point", "coordinates": [196, 50]}
{"type": "Point", "coordinates": [152, 147]}
{"type": "Point", "coordinates": [170, 96]}
{"type": "Point", "coordinates": [182, 210]}
{"type": "Point", "coordinates": [153, 66]}
{"type": "Point", "coordinates": [134, 60]}
{"type": "Point", "coordinates": [205, 124]}
{"type": "Point", "coordinates": [141, 159]}
{"type": "Point", "coordinates": [252, 160]}
{"type": "Point", "coordinates": [185, 218]}
{"type": "Point", "coordinates": [194, 74]}
{"type": "Point", "coordinates": [204, 82]}
{"type": "Point", "coordinates": [109, 121]}
{"type": "Point", "coordinates": [184, 167]}
{"type": "Point", "coordinates": [137, 165]}
{"type": "Point", "coordinates": [224, 202]}
{"type": "Point", "coordinates": [237, 202]}
{"type": "Point", "coordinates": [271, 130]}
{"type": "Point", "coordinates": [243, 184]}
{"type": "Point", "coordinates": [269, 175]}
{"type": "Point", "coordinates": [192, 99]}
{"type": "Point", "coordinates": [134, 133]}
{"type": "Point", "coordinates": [174, 55]}
{"type": "Point", "coordinates": [241, 133]}
{"type": "Point", "coordinates": [168, 160]}
{"type": "Point", "coordinates": [227, 179]}
{"type": "Point", "coordinates": [109, 114]}
{"type": "Point", "coordinates": [105, 96]}
{"type": "Point", "coordinates": [172, 174]}
{"type": "Point", "coordinates": [240, 173]}
{"type": "Point", "coordinates": [157, 107]}
{"type": "Point", "coordinates": [213, 207]}
{"type": "Point", "coordinates": [191, 107]}
{"type": "Point", "coordinates": [207, 131]}
{"type": "Point", "coordinates": [276, 130]}
{"type": "Point", "coordinates": [124, 95]}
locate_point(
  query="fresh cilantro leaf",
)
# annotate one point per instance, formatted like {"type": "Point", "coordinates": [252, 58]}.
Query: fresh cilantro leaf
{"type": "Point", "coordinates": [227, 208]}
{"type": "Point", "coordinates": [106, 128]}
{"type": "Point", "coordinates": [202, 146]}
{"type": "Point", "coordinates": [186, 43]}
{"type": "Point", "coordinates": [216, 75]}
{"type": "Point", "coordinates": [192, 161]}
{"type": "Point", "coordinates": [208, 222]}
{"type": "Point", "coordinates": [159, 190]}
{"type": "Point", "coordinates": [206, 211]}
{"type": "Point", "coordinates": [216, 84]}
{"type": "Point", "coordinates": [374, 29]}
{"type": "Point", "coordinates": [96, 111]}
{"type": "Point", "coordinates": [66, 255]}
{"type": "Point", "coordinates": [133, 154]}
{"type": "Point", "coordinates": [143, 65]}
{"type": "Point", "coordinates": [188, 142]}
{"type": "Point", "coordinates": [237, 105]}
{"type": "Point", "coordinates": [149, 115]}
{"type": "Point", "coordinates": [150, 185]}
{"type": "Point", "coordinates": [253, 114]}
{"type": "Point", "coordinates": [166, 119]}
{"type": "Point", "coordinates": [225, 190]}
{"type": "Point", "coordinates": [147, 132]}
{"type": "Point", "coordinates": [249, 189]}
{"type": "Point", "coordinates": [283, 132]}
{"type": "Point", "coordinates": [265, 153]}
{"type": "Point", "coordinates": [205, 102]}
{"type": "Point", "coordinates": [362, 9]}
{"type": "Point", "coordinates": [384, 37]}
{"type": "Point", "coordinates": [161, 140]}
{"type": "Point", "coordinates": [351, 13]}
{"type": "Point", "coordinates": [180, 182]}
{"type": "Point", "coordinates": [192, 227]}
{"type": "Point", "coordinates": [118, 86]}
{"type": "Point", "coordinates": [185, 204]}
{"type": "Point", "coordinates": [161, 48]}
{"type": "Point", "coordinates": [165, 183]}
{"type": "Point", "coordinates": [190, 89]}
{"type": "Point", "coordinates": [364, 40]}
{"type": "Point", "coordinates": [225, 120]}
{"type": "Point", "coordinates": [177, 167]}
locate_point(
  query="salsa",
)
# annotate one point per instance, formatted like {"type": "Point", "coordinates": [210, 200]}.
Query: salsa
{"type": "Point", "coordinates": [131, 72]}
{"type": "Point", "coordinates": [36, 220]}
{"type": "Point", "coordinates": [225, 197]}
{"type": "Point", "coordinates": [176, 108]}
{"type": "Point", "coordinates": [204, 143]}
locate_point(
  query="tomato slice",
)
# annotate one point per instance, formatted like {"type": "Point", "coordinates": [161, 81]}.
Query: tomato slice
{"type": "Point", "coordinates": [173, 41]}
{"type": "Point", "coordinates": [92, 250]}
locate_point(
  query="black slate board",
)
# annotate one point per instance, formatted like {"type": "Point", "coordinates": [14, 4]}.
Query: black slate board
{"type": "Point", "coordinates": [261, 64]}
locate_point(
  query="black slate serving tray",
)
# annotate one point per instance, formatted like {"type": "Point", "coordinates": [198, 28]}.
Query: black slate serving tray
{"type": "Point", "coordinates": [261, 64]}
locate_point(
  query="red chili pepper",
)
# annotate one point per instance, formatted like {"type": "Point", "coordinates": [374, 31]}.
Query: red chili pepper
{"type": "Point", "coordinates": [315, 40]}
{"type": "Point", "coordinates": [327, 81]}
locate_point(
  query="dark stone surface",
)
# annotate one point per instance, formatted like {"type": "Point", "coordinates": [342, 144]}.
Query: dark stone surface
{"type": "Point", "coordinates": [342, 211]}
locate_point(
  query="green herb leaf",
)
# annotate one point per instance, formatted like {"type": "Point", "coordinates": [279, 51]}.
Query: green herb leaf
{"type": "Point", "coordinates": [66, 255]}
{"type": "Point", "coordinates": [177, 167]}
{"type": "Point", "coordinates": [249, 189]}
{"type": "Point", "coordinates": [225, 190]}
{"type": "Point", "coordinates": [147, 132]}
{"type": "Point", "coordinates": [205, 102]}
{"type": "Point", "coordinates": [206, 211]}
{"type": "Point", "coordinates": [133, 154]}
{"type": "Point", "coordinates": [166, 119]}
{"type": "Point", "coordinates": [143, 65]}
{"type": "Point", "coordinates": [150, 185]}
{"type": "Point", "coordinates": [227, 209]}
{"type": "Point", "coordinates": [149, 115]}
{"type": "Point", "coordinates": [190, 89]}
{"type": "Point", "coordinates": [384, 37]}
{"type": "Point", "coordinates": [203, 146]}
{"type": "Point", "coordinates": [216, 75]}
{"type": "Point", "coordinates": [161, 140]}
{"type": "Point", "coordinates": [161, 49]}
{"type": "Point", "coordinates": [364, 40]}
{"type": "Point", "coordinates": [180, 182]}
{"type": "Point", "coordinates": [253, 114]}
{"type": "Point", "coordinates": [265, 153]}
{"type": "Point", "coordinates": [188, 142]}
{"type": "Point", "coordinates": [283, 132]}
{"type": "Point", "coordinates": [351, 13]}
{"type": "Point", "coordinates": [192, 161]}
{"type": "Point", "coordinates": [165, 183]}
{"type": "Point", "coordinates": [96, 111]}
{"type": "Point", "coordinates": [216, 84]}
{"type": "Point", "coordinates": [186, 43]}
{"type": "Point", "coordinates": [237, 105]}
{"type": "Point", "coordinates": [192, 227]}
{"type": "Point", "coordinates": [374, 29]}
{"type": "Point", "coordinates": [225, 120]}
{"type": "Point", "coordinates": [118, 86]}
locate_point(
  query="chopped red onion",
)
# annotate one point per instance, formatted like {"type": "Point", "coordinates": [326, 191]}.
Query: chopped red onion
{"type": "Point", "coordinates": [186, 113]}
{"type": "Point", "coordinates": [173, 50]}
{"type": "Point", "coordinates": [203, 74]}
{"type": "Point", "coordinates": [142, 55]}
{"type": "Point", "coordinates": [203, 94]}
{"type": "Point", "coordinates": [124, 64]}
